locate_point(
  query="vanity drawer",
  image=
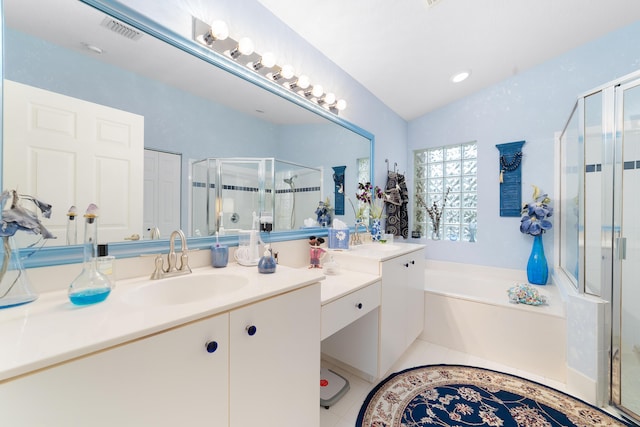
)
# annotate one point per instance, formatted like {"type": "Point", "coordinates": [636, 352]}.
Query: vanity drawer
{"type": "Point", "coordinates": [345, 310]}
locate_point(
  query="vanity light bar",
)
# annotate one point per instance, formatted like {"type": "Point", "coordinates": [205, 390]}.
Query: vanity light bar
{"type": "Point", "coordinates": [264, 65]}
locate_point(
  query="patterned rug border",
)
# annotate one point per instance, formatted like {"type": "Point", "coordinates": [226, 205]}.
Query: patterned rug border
{"type": "Point", "coordinates": [389, 378]}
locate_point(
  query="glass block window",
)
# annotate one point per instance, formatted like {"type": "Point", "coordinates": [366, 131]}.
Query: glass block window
{"type": "Point", "coordinates": [364, 170]}
{"type": "Point", "coordinates": [453, 168]}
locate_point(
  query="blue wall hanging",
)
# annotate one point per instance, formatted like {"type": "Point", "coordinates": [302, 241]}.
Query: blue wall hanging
{"type": "Point", "coordinates": [338, 179]}
{"type": "Point", "coordinates": [510, 178]}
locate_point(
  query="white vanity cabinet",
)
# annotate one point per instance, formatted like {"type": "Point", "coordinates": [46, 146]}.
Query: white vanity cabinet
{"type": "Point", "coordinates": [374, 342]}
{"type": "Point", "coordinates": [168, 379]}
{"type": "Point", "coordinates": [402, 308]}
{"type": "Point", "coordinates": [208, 372]}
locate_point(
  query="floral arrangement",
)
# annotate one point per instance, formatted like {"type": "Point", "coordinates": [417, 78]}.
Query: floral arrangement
{"type": "Point", "coordinates": [434, 211]}
{"type": "Point", "coordinates": [372, 198]}
{"type": "Point", "coordinates": [19, 218]}
{"type": "Point", "coordinates": [535, 214]}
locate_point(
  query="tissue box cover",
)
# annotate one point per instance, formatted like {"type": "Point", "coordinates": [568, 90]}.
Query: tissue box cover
{"type": "Point", "coordinates": [338, 239]}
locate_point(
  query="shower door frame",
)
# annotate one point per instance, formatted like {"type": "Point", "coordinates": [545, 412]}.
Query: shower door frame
{"type": "Point", "coordinates": [619, 249]}
{"type": "Point", "coordinates": [611, 251]}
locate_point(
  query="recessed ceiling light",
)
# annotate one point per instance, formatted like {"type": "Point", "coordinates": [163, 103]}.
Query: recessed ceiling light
{"type": "Point", "coordinates": [461, 76]}
{"type": "Point", "coordinates": [93, 48]}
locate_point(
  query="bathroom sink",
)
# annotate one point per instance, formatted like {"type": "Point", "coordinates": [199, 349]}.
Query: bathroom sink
{"type": "Point", "coordinates": [185, 289]}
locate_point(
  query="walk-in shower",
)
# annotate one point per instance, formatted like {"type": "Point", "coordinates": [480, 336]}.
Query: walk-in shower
{"type": "Point", "coordinates": [599, 228]}
{"type": "Point", "coordinates": [227, 191]}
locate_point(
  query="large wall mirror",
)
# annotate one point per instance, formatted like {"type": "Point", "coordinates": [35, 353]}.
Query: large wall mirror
{"type": "Point", "coordinates": [163, 97]}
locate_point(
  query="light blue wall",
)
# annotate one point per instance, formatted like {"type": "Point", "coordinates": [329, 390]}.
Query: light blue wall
{"type": "Point", "coordinates": [531, 106]}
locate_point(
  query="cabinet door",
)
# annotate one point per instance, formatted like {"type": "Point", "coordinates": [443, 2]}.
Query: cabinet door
{"type": "Point", "coordinates": [415, 295]}
{"type": "Point", "coordinates": [402, 306]}
{"type": "Point", "coordinates": [275, 369]}
{"type": "Point", "coordinates": [169, 379]}
{"type": "Point", "coordinates": [393, 312]}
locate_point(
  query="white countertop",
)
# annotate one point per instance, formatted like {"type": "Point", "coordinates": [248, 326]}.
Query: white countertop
{"type": "Point", "coordinates": [378, 251]}
{"type": "Point", "coordinates": [51, 329]}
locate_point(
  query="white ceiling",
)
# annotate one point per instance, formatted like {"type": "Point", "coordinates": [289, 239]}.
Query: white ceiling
{"type": "Point", "coordinates": [405, 52]}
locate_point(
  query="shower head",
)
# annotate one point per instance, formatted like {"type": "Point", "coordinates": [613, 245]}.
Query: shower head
{"type": "Point", "coordinates": [290, 180]}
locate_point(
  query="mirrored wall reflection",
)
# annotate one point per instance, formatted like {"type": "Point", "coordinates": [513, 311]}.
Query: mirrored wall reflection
{"type": "Point", "coordinates": [192, 110]}
{"type": "Point", "coordinates": [267, 194]}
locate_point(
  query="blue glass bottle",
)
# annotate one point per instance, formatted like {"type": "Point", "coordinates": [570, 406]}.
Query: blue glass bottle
{"type": "Point", "coordinates": [91, 286]}
{"type": "Point", "coordinates": [267, 263]}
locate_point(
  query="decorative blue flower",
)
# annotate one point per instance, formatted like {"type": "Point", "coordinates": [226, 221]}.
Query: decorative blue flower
{"type": "Point", "coordinates": [535, 214]}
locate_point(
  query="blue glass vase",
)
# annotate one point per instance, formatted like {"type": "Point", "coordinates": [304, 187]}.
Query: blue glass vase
{"type": "Point", "coordinates": [537, 268]}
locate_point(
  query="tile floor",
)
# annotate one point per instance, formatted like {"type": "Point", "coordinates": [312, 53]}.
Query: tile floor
{"type": "Point", "coordinates": [345, 412]}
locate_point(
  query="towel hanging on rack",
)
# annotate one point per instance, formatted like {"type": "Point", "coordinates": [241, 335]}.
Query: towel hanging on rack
{"type": "Point", "coordinates": [397, 221]}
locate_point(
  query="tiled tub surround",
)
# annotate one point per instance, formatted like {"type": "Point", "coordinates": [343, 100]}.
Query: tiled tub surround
{"type": "Point", "coordinates": [467, 309]}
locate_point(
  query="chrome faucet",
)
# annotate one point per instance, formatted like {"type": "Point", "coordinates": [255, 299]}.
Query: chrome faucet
{"type": "Point", "coordinates": [172, 259]}
{"type": "Point", "coordinates": [355, 238]}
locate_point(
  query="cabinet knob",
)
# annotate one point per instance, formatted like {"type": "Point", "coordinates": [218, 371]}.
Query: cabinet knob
{"type": "Point", "coordinates": [406, 265]}
{"type": "Point", "coordinates": [212, 346]}
{"type": "Point", "coordinates": [251, 330]}
{"type": "Point", "coordinates": [413, 262]}
{"type": "Point", "coordinates": [359, 306]}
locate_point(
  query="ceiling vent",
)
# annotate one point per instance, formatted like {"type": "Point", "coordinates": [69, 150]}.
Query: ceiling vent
{"type": "Point", "coordinates": [120, 28]}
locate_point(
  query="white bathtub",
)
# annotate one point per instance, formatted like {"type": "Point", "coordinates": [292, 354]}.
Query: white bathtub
{"type": "Point", "coordinates": [467, 309]}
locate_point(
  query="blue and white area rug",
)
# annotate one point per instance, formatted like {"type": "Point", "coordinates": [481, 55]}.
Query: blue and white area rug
{"type": "Point", "coordinates": [454, 395]}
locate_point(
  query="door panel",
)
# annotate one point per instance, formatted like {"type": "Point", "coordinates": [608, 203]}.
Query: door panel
{"type": "Point", "coordinates": [70, 152]}
{"type": "Point", "coordinates": [627, 253]}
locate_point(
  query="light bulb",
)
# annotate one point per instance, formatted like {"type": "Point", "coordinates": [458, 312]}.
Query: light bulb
{"type": "Point", "coordinates": [341, 104]}
{"type": "Point", "coordinates": [268, 60]}
{"type": "Point", "coordinates": [219, 30]}
{"type": "Point", "coordinates": [287, 71]}
{"type": "Point", "coordinates": [317, 91]}
{"type": "Point", "coordinates": [329, 98]}
{"type": "Point", "coordinates": [245, 46]}
{"type": "Point", "coordinates": [302, 83]}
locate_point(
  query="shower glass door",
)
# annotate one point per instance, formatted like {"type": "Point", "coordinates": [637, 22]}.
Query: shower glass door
{"type": "Point", "coordinates": [626, 274]}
